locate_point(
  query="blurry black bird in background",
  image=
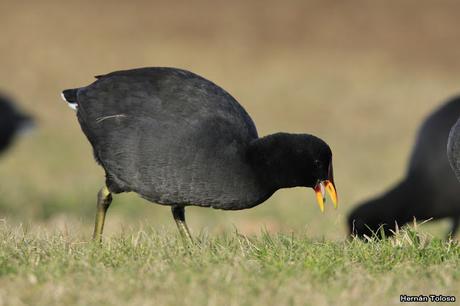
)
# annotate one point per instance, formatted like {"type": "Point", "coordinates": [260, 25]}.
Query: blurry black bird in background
{"type": "Point", "coordinates": [12, 122]}
{"type": "Point", "coordinates": [178, 139]}
{"type": "Point", "coordinates": [429, 190]}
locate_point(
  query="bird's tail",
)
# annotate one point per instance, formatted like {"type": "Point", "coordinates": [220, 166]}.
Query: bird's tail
{"type": "Point", "coordinates": [70, 96]}
{"type": "Point", "coordinates": [26, 123]}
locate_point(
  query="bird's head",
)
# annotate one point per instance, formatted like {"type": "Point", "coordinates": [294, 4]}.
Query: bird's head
{"type": "Point", "coordinates": [11, 116]}
{"type": "Point", "coordinates": [12, 122]}
{"type": "Point", "coordinates": [290, 160]}
{"type": "Point", "coordinates": [376, 218]}
{"type": "Point", "coordinates": [363, 222]}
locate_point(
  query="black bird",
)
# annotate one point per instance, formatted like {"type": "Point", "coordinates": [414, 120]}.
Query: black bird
{"type": "Point", "coordinates": [178, 139]}
{"type": "Point", "coordinates": [12, 122]}
{"type": "Point", "coordinates": [429, 189]}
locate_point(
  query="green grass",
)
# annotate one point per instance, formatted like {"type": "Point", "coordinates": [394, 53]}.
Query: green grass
{"type": "Point", "coordinates": [40, 267]}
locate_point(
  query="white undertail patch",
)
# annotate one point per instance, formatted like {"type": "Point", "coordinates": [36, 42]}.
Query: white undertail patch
{"type": "Point", "coordinates": [72, 105]}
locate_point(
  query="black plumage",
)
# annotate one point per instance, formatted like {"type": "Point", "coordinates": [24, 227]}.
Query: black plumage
{"type": "Point", "coordinates": [12, 122]}
{"type": "Point", "coordinates": [453, 148]}
{"type": "Point", "coordinates": [429, 189]}
{"type": "Point", "coordinates": [178, 139]}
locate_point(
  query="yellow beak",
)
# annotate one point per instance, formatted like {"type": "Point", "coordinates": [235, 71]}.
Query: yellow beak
{"type": "Point", "coordinates": [320, 191]}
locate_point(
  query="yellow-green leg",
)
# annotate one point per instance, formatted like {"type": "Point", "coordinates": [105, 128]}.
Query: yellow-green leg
{"type": "Point", "coordinates": [104, 198]}
{"type": "Point", "coordinates": [454, 228]}
{"type": "Point", "coordinates": [179, 216]}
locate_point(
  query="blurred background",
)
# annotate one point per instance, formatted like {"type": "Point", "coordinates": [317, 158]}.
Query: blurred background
{"type": "Point", "coordinates": [361, 75]}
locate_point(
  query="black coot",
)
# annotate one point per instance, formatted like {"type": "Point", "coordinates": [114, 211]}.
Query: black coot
{"type": "Point", "coordinates": [429, 189]}
{"type": "Point", "coordinates": [12, 121]}
{"type": "Point", "coordinates": [177, 139]}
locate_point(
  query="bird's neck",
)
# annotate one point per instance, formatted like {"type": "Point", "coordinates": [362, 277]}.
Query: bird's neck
{"type": "Point", "coordinates": [404, 202]}
{"type": "Point", "coordinates": [271, 167]}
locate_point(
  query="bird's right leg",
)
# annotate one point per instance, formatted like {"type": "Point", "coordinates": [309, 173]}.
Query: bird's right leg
{"type": "Point", "coordinates": [104, 198]}
{"type": "Point", "coordinates": [454, 228]}
{"type": "Point", "coordinates": [179, 216]}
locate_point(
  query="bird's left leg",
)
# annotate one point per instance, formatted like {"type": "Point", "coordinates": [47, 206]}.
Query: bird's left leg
{"type": "Point", "coordinates": [179, 216]}
{"type": "Point", "coordinates": [104, 199]}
